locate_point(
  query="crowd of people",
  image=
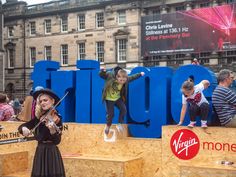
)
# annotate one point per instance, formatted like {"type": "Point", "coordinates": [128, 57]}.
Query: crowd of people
{"type": "Point", "coordinates": [17, 110]}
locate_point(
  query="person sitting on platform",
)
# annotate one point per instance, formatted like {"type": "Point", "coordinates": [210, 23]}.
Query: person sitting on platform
{"type": "Point", "coordinates": [224, 99]}
{"type": "Point", "coordinates": [194, 99]}
{"type": "Point", "coordinates": [115, 92]}
{"type": "Point", "coordinates": [6, 110]}
{"type": "Point", "coordinates": [47, 127]}
{"type": "Point", "coordinates": [195, 62]}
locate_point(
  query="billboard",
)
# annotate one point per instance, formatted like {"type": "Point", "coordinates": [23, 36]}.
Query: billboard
{"type": "Point", "coordinates": [197, 30]}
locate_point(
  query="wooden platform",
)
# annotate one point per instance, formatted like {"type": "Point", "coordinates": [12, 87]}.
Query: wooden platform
{"type": "Point", "coordinates": [25, 173]}
{"type": "Point", "coordinates": [86, 154]}
{"type": "Point", "coordinates": [88, 166]}
{"type": "Point", "coordinates": [207, 170]}
{"type": "Point", "coordinates": [87, 140]}
{"type": "Point", "coordinates": [13, 162]}
{"type": "Point", "coordinates": [216, 144]}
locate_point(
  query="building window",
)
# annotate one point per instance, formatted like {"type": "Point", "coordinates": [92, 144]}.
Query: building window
{"type": "Point", "coordinates": [121, 50]}
{"type": "Point", "coordinates": [10, 31]}
{"type": "Point", "coordinates": [205, 4]}
{"type": "Point", "coordinates": [156, 11]}
{"type": "Point", "coordinates": [204, 57]}
{"type": "Point", "coordinates": [48, 53]}
{"type": "Point", "coordinates": [100, 51]}
{"type": "Point", "coordinates": [32, 28]}
{"type": "Point", "coordinates": [99, 20]}
{"type": "Point", "coordinates": [64, 24]}
{"type": "Point", "coordinates": [204, 61]}
{"type": "Point", "coordinates": [231, 60]}
{"type": "Point", "coordinates": [32, 56]}
{"type": "Point", "coordinates": [180, 8]}
{"type": "Point", "coordinates": [231, 53]}
{"type": "Point", "coordinates": [180, 56]}
{"type": "Point", "coordinates": [204, 54]}
{"type": "Point", "coordinates": [11, 58]}
{"type": "Point", "coordinates": [81, 48]}
{"type": "Point", "coordinates": [121, 17]}
{"type": "Point", "coordinates": [64, 54]}
{"type": "Point", "coordinates": [81, 22]}
{"type": "Point", "coordinates": [229, 1]}
{"type": "Point", "coordinates": [175, 62]}
{"type": "Point", "coordinates": [48, 26]}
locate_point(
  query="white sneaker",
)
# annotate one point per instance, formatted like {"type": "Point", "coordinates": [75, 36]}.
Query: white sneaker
{"type": "Point", "coordinates": [191, 124]}
{"type": "Point", "coordinates": [120, 128]}
{"type": "Point", "coordinates": [204, 124]}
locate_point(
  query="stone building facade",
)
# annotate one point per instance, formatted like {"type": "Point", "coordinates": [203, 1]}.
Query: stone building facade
{"type": "Point", "coordinates": [68, 30]}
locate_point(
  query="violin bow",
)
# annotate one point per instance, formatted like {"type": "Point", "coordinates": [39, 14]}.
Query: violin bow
{"type": "Point", "coordinates": [52, 108]}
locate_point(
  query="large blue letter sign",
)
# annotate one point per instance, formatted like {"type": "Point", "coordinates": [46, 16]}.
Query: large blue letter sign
{"type": "Point", "coordinates": [149, 104]}
{"type": "Point", "coordinates": [63, 82]}
{"type": "Point", "coordinates": [153, 100]}
{"type": "Point", "coordinates": [42, 73]}
{"type": "Point", "coordinates": [84, 89]}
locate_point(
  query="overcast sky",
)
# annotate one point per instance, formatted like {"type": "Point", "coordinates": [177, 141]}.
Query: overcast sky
{"type": "Point", "coordinates": [30, 2]}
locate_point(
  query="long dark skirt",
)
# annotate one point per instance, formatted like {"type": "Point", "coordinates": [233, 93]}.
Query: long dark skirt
{"type": "Point", "coordinates": [48, 162]}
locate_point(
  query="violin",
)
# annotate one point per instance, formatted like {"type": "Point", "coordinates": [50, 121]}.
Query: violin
{"type": "Point", "coordinates": [51, 115]}
{"type": "Point", "coordinates": [51, 119]}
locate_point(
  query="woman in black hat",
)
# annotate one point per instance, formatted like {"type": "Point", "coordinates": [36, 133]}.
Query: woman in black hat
{"type": "Point", "coordinates": [47, 160]}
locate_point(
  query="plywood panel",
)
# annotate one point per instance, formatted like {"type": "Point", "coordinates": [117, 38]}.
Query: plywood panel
{"type": "Point", "coordinates": [87, 140]}
{"type": "Point", "coordinates": [207, 157]}
{"type": "Point", "coordinates": [9, 132]}
{"type": "Point", "coordinates": [13, 162]}
{"type": "Point", "coordinates": [203, 171]}
{"type": "Point", "coordinates": [90, 166]}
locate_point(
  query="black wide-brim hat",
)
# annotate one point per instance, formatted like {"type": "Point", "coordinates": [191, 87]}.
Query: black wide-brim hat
{"type": "Point", "coordinates": [47, 92]}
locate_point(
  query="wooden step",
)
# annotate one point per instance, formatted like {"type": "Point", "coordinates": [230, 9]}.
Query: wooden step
{"type": "Point", "coordinates": [102, 166]}
{"type": "Point", "coordinates": [208, 170]}
{"type": "Point", "coordinates": [13, 162]}
{"type": "Point", "coordinates": [89, 139]}
{"type": "Point", "coordinates": [25, 173]}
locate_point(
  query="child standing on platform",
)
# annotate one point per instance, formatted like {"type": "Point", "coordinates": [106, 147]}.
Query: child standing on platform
{"type": "Point", "coordinates": [196, 102]}
{"type": "Point", "coordinates": [114, 94]}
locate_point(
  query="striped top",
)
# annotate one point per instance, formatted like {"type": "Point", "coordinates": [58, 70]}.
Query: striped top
{"type": "Point", "coordinates": [224, 101]}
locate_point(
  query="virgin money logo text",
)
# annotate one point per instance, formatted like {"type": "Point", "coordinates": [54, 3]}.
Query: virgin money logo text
{"type": "Point", "coordinates": [185, 144]}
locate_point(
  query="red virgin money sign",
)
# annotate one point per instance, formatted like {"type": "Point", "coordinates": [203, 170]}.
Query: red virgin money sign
{"type": "Point", "coordinates": [185, 144]}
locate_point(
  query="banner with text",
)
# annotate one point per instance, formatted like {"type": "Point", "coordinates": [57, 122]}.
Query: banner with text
{"type": "Point", "coordinates": [198, 30]}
